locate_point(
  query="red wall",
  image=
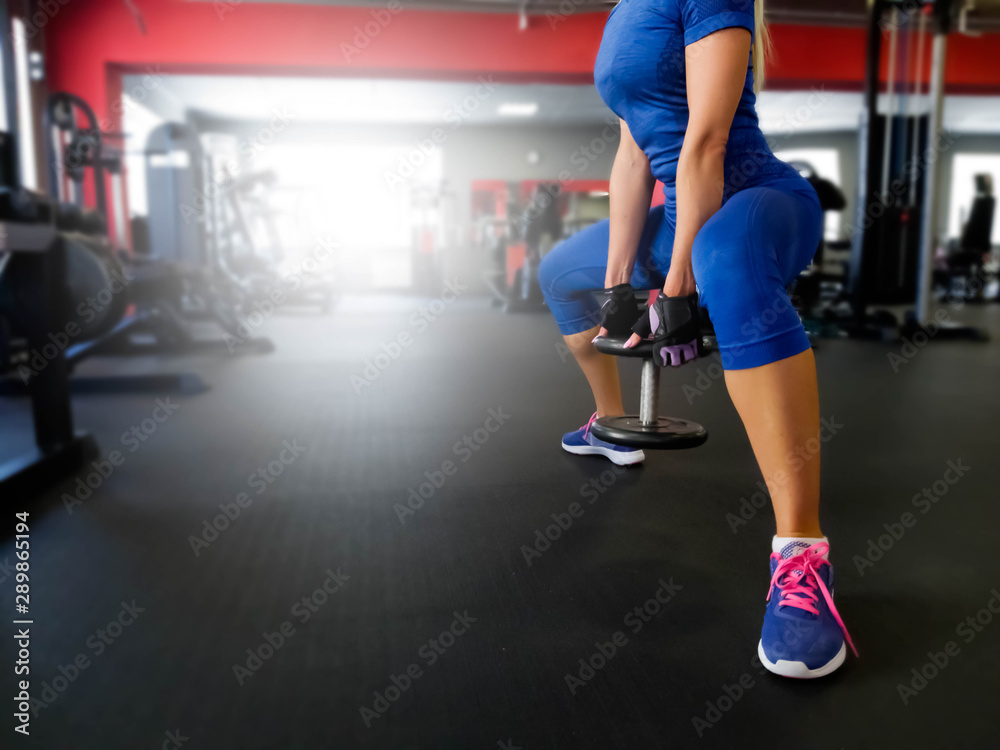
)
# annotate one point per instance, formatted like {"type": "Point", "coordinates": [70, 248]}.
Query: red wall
{"type": "Point", "coordinates": [91, 44]}
{"type": "Point", "coordinates": [88, 41]}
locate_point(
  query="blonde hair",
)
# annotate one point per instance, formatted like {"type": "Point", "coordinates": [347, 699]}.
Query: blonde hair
{"type": "Point", "coordinates": [761, 46]}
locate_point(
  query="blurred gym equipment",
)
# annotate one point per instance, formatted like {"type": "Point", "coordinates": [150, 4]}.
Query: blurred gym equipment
{"type": "Point", "coordinates": [253, 248]}
{"type": "Point", "coordinates": [34, 303]}
{"type": "Point", "coordinates": [895, 232]}
{"type": "Point", "coordinates": [185, 213]}
{"type": "Point", "coordinates": [140, 301]}
{"type": "Point", "coordinates": [819, 288]}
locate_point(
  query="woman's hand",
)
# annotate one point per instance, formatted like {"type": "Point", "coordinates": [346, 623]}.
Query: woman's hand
{"type": "Point", "coordinates": [680, 280]}
{"type": "Point", "coordinates": [619, 311]}
{"type": "Point", "coordinates": [679, 283]}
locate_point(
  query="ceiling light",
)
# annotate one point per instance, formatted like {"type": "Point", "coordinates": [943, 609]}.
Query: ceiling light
{"type": "Point", "coordinates": [515, 109]}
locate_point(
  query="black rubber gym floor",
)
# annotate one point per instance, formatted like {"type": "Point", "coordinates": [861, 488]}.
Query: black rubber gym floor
{"type": "Point", "coordinates": [436, 631]}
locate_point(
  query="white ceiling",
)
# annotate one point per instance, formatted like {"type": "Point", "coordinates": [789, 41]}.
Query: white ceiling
{"type": "Point", "coordinates": [341, 100]}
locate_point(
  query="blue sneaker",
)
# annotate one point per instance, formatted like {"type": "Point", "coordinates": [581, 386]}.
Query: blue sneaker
{"type": "Point", "coordinates": [803, 635]}
{"type": "Point", "coordinates": [583, 443]}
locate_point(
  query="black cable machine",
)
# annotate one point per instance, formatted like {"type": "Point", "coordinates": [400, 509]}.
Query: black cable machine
{"type": "Point", "coordinates": [894, 233]}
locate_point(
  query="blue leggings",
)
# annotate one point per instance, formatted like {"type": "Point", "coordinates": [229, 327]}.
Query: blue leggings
{"type": "Point", "coordinates": [744, 258]}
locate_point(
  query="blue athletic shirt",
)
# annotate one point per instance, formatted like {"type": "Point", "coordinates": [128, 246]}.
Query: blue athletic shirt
{"type": "Point", "coordinates": [640, 74]}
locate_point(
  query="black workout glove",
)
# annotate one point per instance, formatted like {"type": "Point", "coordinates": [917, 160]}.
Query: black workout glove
{"type": "Point", "coordinates": [675, 324]}
{"type": "Point", "coordinates": [619, 311]}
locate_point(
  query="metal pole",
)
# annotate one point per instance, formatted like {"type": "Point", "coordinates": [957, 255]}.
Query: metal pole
{"type": "Point", "coordinates": [929, 231]}
{"type": "Point", "coordinates": [890, 101]}
{"type": "Point", "coordinates": [868, 167]}
{"type": "Point", "coordinates": [918, 87]}
{"type": "Point", "coordinates": [118, 205]}
{"type": "Point", "coordinates": [649, 393]}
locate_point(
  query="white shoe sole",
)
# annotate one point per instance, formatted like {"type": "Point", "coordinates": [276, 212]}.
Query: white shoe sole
{"type": "Point", "coordinates": [622, 459]}
{"type": "Point", "coordinates": [797, 669]}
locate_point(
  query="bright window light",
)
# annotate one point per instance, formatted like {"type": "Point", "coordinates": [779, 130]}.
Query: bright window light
{"type": "Point", "coordinates": [25, 124]}
{"type": "Point", "coordinates": [363, 195]}
{"type": "Point", "coordinates": [517, 109]}
{"type": "Point", "coordinates": [139, 123]}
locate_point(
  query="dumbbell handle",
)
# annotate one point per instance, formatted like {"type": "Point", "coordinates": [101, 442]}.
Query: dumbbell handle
{"type": "Point", "coordinates": [649, 393]}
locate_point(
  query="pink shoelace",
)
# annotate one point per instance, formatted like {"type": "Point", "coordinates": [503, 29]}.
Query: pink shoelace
{"type": "Point", "coordinates": [799, 576]}
{"type": "Point", "coordinates": [586, 427]}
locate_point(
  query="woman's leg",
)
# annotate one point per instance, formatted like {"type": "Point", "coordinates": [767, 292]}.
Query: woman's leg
{"type": "Point", "coordinates": [743, 259]}
{"type": "Point", "coordinates": [779, 406]}
{"type": "Point", "coordinates": [570, 275]}
{"type": "Point", "coordinates": [601, 371]}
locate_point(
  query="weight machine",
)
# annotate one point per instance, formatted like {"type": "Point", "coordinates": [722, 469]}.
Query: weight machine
{"type": "Point", "coordinates": [894, 235]}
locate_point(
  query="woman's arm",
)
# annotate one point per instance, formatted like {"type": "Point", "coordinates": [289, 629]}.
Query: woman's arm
{"type": "Point", "coordinates": [716, 72]}
{"type": "Point", "coordinates": [631, 192]}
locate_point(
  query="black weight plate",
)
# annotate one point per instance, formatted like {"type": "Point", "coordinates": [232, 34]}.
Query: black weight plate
{"type": "Point", "coordinates": [616, 348]}
{"type": "Point", "coordinates": [644, 349]}
{"type": "Point", "coordinates": [667, 434]}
